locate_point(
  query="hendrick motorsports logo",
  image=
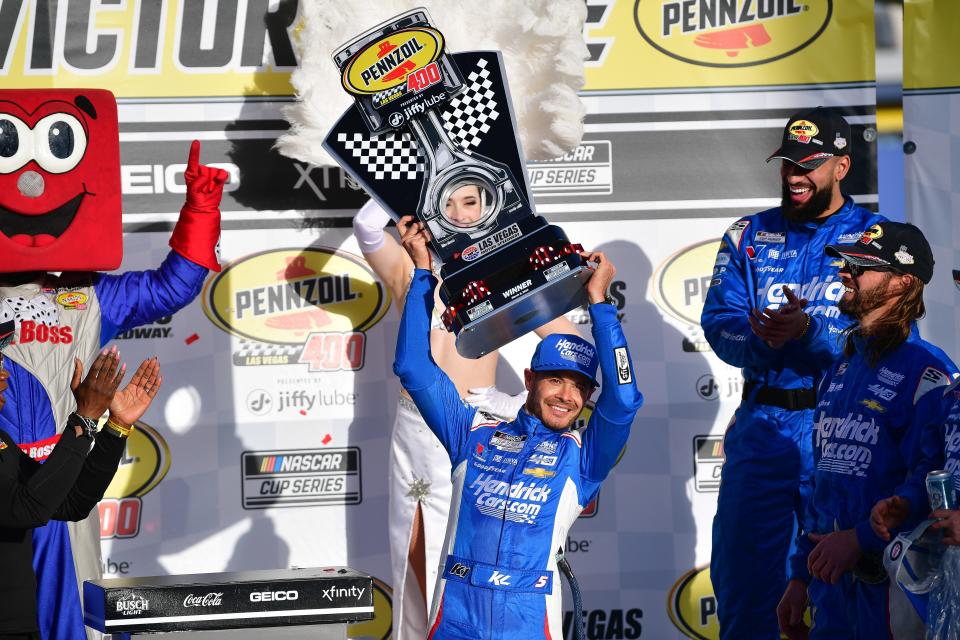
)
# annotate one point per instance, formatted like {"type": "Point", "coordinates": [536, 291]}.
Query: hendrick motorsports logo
{"type": "Point", "coordinates": [144, 464]}
{"type": "Point", "coordinates": [308, 306]}
{"type": "Point", "coordinates": [731, 33]}
{"type": "Point", "coordinates": [301, 477]}
{"type": "Point", "coordinates": [680, 287]}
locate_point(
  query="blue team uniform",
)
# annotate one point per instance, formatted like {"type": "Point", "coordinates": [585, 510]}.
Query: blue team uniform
{"type": "Point", "coordinates": [767, 448]}
{"type": "Point", "coordinates": [518, 486]}
{"type": "Point", "coordinates": [867, 434]}
{"type": "Point", "coordinates": [88, 310]}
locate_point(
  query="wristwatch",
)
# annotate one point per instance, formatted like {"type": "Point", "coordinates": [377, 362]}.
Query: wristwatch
{"type": "Point", "coordinates": [88, 425]}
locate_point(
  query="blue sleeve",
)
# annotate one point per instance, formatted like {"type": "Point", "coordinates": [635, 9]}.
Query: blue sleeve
{"type": "Point", "coordinates": [798, 559]}
{"type": "Point", "coordinates": [620, 399]}
{"type": "Point", "coordinates": [822, 343]}
{"type": "Point", "coordinates": [727, 309]}
{"type": "Point", "coordinates": [135, 298]}
{"type": "Point", "coordinates": [930, 457]}
{"type": "Point", "coordinates": [928, 409]}
{"type": "Point", "coordinates": [431, 389]}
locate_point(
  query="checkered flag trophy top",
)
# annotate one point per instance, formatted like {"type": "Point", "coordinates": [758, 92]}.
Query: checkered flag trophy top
{"type": "Point", "coordinates": [418, 133]}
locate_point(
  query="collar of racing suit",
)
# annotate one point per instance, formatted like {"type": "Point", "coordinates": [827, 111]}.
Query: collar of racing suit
{"type": "Point", "coordinates": [837, 217]}
{"type": "Point", "coordinates": [531, 425]}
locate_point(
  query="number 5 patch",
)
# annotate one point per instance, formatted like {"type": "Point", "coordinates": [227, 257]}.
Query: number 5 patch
{"type": "Point", "coordinates": [624, 375]}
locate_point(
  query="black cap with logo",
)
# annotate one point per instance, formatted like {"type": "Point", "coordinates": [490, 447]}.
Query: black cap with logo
{"type": "Point", "coordinates": [812, 136]}
{"type": "Point", "coordinates": [894, 245]}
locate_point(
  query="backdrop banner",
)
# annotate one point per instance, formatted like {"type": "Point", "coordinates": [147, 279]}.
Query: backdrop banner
{"type": "Point", "coordinates": [267, 447]}
{"type": "Point", "coordinates": [931, 126]}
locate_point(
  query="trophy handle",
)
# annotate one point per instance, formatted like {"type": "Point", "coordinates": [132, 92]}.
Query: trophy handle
{"type": "Point", "coordinates": [432, 139]}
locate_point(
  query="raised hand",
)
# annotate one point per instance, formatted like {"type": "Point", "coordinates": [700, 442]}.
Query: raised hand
{"type": "Point", "coordinates": [130, 403]}
{"type": "Point", "coordinates": [204, 184]}
{"type": "Point", "coordinates": [415, 240]}
{"type": "Point", "coordinates": [602, 275]}
{"type": "Point", "coordinates": [95, 392]}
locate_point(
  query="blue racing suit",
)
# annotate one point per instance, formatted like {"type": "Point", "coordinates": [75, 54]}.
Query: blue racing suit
{"type": "Point", "coordinates": [867, 433]}
{"type": "Point", "coordinates": [57, 319]}
{"type": "Point", "coordinates": [517, 486]}
{"type": "Point", "coordinates": [767, 448]}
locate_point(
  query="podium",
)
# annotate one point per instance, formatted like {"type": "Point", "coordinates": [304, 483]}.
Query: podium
{"type": "Point", "coordinates": [223, 604]}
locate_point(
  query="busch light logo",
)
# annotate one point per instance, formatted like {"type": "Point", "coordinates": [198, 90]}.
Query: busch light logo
{"type": "Point", "coordinates": [823, 295]}
{"type": "Point", "coordinates": [579, 352]}
{"type": "Point", "coordinates": [519, 502]}
{"type": "Point", "coordinates": [132, 605]}
{"type": "Point", "coordinates": [845, 443]}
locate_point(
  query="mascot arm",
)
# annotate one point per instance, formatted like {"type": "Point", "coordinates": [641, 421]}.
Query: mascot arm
{"type": "Point", "coordinates": [139, 297]}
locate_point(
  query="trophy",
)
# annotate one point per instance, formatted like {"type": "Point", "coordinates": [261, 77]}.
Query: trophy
{"type": "Point", "coordinates": [433, 134]}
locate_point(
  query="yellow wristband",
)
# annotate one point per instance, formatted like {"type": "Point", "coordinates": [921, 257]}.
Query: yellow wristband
{"type": "Point", "coordinates": [119, 428]}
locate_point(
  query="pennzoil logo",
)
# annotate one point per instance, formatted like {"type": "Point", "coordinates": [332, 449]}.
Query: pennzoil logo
{"type": "Point", "coordinates": [692, 605]}
{"type": "Point", "coordinates": [731, 33]}
{"type": "Point", "coordinates": [802, 131]}
{"type": "Point", "coordinates": [144, 464]}
{"type": "Point", "coordinates": [386, 63]}
{"type": "Point", "coordinates": [297, 306]}
{"type": "Point", "coordinates": [682, 280]}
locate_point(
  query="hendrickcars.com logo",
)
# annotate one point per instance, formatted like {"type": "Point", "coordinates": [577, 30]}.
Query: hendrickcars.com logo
{"type": "Point", "coordinates": [143, 465]}
{"type": "Point", "coordinates": [731, 33]}
{"type": "Point", "coordinates": [308, 306]}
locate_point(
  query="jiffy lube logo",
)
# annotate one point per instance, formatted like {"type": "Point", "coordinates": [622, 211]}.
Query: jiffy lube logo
{"type": "Point", "coordinates": [143, 465]}
{"type": "Point", "coordinates": [822, 294]}
{"type": "Point", "coordinates": [682, 280]}
{"type": "Point", "coordinates": [731, 33]}
{"type": "Point", "coordinates": [846, 443]}
{"type": "Point", "coordinates": [386, 63]}
{"type": "Point", "coordinates": [579, 352]}
{"type": "Point", "coordinates": [520, 502]}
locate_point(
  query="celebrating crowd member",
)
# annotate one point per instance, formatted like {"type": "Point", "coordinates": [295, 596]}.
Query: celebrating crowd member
{"type": "Point", "coordinates": [873, 406]}
{"type": "Point", "coordinates": [62, 316]}
{"type": "Point", "coordinates": [72, 480]}
{"type": "Point", "coordinates": [419, 472]}
{"type": "Point", "coordinates": [519, 485]}
{"type": "Point", "coordinates": [771, 309]}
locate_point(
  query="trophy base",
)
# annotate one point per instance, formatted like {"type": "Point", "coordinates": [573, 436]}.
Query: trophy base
{"type": "Point", "coordinates": [523, 315]}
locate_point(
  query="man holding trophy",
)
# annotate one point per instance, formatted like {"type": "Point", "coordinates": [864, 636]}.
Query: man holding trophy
{"type": "Point", "coordinates": [433, 134]}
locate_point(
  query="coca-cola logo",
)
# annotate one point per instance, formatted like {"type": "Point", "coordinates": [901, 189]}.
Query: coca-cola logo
{"type": "Point", "coordinates": [209, 600]}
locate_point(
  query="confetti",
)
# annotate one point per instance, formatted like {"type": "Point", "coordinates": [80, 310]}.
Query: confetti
{"type": "Point", "coordinates": [303, 412]}
{"type": "Point", "coordinates": [326, 439]}
{"type": "Point", "coordinates": [192, 338]}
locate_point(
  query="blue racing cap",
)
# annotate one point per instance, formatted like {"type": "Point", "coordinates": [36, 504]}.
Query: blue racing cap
{"type": "Point", "coordinates": [566, 352]}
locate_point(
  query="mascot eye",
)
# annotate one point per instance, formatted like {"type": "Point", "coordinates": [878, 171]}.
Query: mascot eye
{"type": "Point", "coordinates": [14, 143]}
{"type": "Point", "coordinates": [60, 142]}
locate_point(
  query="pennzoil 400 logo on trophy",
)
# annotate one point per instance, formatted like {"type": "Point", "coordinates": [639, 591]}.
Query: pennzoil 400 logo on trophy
{"type": "Point", "coordinates": [433, 134]}
{"type": "Point", "coordinates": [297, 306]}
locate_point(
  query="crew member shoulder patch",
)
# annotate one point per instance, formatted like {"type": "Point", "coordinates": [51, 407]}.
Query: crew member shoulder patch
{"type": "Point", "coordinates": [736, 231]}
{"type": "Point", "coordinates": [930, 379]}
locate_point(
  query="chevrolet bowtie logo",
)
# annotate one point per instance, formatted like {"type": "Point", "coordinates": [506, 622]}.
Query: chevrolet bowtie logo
{"type": "Point", "coordinates": [873, 404]}
{"type": "Point", "coordinates": [537, 472]}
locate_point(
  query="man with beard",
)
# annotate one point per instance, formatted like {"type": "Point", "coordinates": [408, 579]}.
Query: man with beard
{"type": "Point", "coordinates": [873, 406]}
{"type": "Point", "coordinates": [771, 310]}
{"type": "Point", "coordinates": [518, 485]}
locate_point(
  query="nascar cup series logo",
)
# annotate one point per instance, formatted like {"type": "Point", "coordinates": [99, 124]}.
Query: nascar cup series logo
{"type": "Point", "coordinates": [308, 306]}
{"type": "Point", "coordinates": [731, 33]}
{"type": "Point", "coordinates": [143, 465]}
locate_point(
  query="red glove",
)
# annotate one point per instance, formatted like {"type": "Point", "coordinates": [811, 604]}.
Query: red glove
{"type": "Point", "coordinates": [197, 234]}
